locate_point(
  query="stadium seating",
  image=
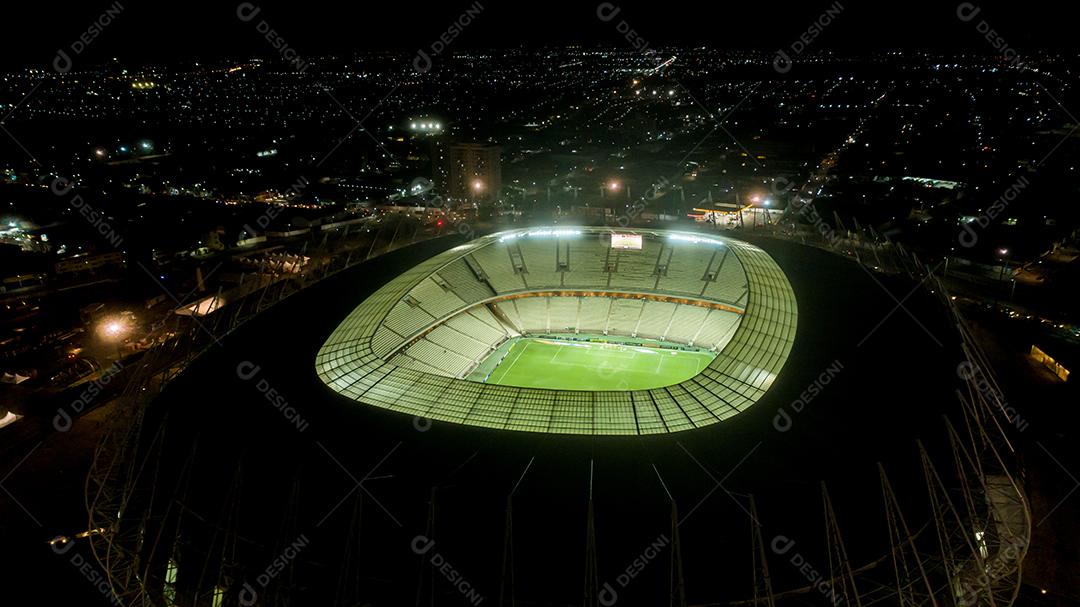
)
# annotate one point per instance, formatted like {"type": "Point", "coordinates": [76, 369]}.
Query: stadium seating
{"type": "Point", "coordinates": [447, 361]}
{"type": "Point", "coordinates": [409, 346]}
{"type": "Point", "coordinates": [588, 264]}
{"type": "Point", "coordinates": [716, 330]}
{"type": "Point", "coordinates": [624, 316]}
{"type": "Point", "coordinates": [495, 261]}
{"type": "Point", "coordinates": [428, 331]}
{"type": "Point", "coordinates": [562, 314]}
{"type": "Point", "coordinates": [462, 280]}
{"type": "Point", "coordinates": [594, 314]}
{"type": "Point", "coordinates": [436, 300]}
{"type": "Point", "coordinates": [655, 318]}
{"type": "Point", "coordinates": [532, 314]}
{"type": "Point", "coordinates": [540, 262]}
{"type": "Point", "coordinates": [685, 324]}
{"type": "Point", "coordinates": [456, 346]}
{"type": "Point", "coordinates": [479, 323]}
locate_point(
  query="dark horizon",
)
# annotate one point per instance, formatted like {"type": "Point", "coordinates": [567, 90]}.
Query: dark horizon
{"type": "Point", "coordinates": [205, 31]}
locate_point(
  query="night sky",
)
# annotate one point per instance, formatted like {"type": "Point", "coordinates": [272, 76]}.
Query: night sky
{"type": "Point", "coordinates": [150, 32]}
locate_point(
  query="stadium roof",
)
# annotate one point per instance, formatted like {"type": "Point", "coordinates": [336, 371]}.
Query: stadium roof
{"type": "Point", "coordinates": [355, 360]}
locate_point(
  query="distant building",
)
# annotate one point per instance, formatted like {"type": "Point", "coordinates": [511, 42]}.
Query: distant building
{"type": "Point", "coordinates": [1051, 363]}
{"type": "Point", "coordinates": [439, 153]}
{"type": "Point", "coordinates": [90, 263]}
{"type": "Point", "coordinates": [475, 172]}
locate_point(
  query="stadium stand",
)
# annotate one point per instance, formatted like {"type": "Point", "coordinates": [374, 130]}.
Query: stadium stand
{"type": "Point", "coordinates": [655, 318]}
{"type": "Point", "coordinates": [463, 282]}
{"type": "Point", "coordinates": [407, 346]}
{"type": "Point", "coordinates": [593, 314]}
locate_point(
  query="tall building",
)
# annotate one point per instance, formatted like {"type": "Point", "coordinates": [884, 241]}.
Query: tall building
{"type": "Point", "coordinates": [475, 172]}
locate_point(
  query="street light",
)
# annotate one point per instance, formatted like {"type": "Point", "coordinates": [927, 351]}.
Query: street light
{"type": "Point", "coordinates": [614, 186]}
{"type": "Point", "coordinates": [1004, 253]}
{"type": "Point", "coordinates": [114, 330]}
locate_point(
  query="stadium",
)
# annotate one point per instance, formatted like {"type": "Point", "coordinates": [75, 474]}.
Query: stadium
{"type": "Point", "coordinates": [572, 415]}
{"type": "Point", "coordinates": [586, 331]}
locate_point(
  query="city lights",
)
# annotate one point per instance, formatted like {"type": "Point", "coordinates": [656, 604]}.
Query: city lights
{"type": "Point", "coordinates": [482, 227]}
{"type": "Point", "coordinates": [426, 126]}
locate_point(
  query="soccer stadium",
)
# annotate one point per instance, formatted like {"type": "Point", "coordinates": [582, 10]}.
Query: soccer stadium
{"type": "Point", "coordinates": [572, 330]}
{"type": "Point", "coordinates": [551, 416]}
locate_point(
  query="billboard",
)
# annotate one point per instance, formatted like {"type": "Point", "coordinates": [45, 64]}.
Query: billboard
{"type": "Point", "coordinates": [626, 241]}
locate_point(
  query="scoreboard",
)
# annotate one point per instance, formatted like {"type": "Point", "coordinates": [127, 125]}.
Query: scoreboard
{"type": "Point", "coordinates": [626, 241]}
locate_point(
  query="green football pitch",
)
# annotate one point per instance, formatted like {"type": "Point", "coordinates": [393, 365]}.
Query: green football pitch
{"type": "Point", "coordinates": [570, 365]}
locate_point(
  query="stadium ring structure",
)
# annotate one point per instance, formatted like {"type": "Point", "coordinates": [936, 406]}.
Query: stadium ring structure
{"type": "Point", "coordinates": [189, 513]}
{"type": "Point", "coordinates": [410, 346]}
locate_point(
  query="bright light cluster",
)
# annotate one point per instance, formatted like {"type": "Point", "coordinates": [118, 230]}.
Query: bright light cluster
{"type": "Point", "coordinates": [541, 233]}
{"type": "Point", "coordinates": [425, 126]}
{"type": "Point", "coordinates": [695, 239]}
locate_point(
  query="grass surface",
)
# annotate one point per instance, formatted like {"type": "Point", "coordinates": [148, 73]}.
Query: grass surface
{"type": "Point", "coordinates": [564, 365]}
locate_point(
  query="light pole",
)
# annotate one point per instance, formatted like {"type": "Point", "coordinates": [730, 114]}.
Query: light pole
{"type": "Point", "coordinates": [612, 185]}
{"type": "Point", "coordinates": [1005, 262]}
{"type": "Point", "coordinates": [477, 188]}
